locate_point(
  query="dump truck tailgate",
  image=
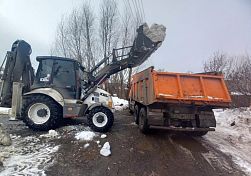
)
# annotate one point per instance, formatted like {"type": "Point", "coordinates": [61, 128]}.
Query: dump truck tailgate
{"type": "Point", "coordinates": [150, 86]}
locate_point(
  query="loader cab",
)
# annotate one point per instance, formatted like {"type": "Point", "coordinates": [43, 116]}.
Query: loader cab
{"type": "Point", "coordinates": [61, 74]}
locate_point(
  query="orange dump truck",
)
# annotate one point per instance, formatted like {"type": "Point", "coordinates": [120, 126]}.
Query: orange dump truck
{"type": "Point", "coordinates": [177, 101]}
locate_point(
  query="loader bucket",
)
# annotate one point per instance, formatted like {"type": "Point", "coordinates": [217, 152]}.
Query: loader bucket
{"type": "Point", "coordinates": [146, 42]}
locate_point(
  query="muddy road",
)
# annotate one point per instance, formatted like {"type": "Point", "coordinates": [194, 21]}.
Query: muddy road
{"type": "Point", "coordinates": [159, 153]}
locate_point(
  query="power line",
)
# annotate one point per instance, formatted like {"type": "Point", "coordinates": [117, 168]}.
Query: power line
{"type": "Point", "coordinates": [140, 10]}
{"type": "Point", "coordinates": [136, 12]}
{"type": "Point", "coordinates": [127, 3]}
{"type": "Point", "coordinates": [143, 10]}
{"type": "Point", "coordinates": [138, 17]}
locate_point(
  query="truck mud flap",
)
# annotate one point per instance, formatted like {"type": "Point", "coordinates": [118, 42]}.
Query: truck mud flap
{"type": "Point", "coordinates": [206, 120]}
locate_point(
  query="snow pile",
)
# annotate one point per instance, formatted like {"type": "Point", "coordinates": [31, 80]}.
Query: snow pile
{"type": "Point", "coordinates": [50, 134]}
{"type": "Point", "coordinates": [237, 120]}
{"type": "Point", "coordinates": [86, 145]}
{"type": "Point", "coordinates": [106, 149]}
{"type": "Point", "coordinates": [103, 136]}
{"type": "Point", "coordinates": [120, 104]}
{"type": "Point", "coordinates": [156, 33]}
{"type": "Point", "coordinates": [27, 156]}
{"type": "Point", "coordinates": [85, 135]}
{"type": "Point", "coordinates": [233, 135]}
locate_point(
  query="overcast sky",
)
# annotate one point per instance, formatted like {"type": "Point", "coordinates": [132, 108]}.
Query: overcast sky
{"type": "Point", "coordinates": [195, 28]}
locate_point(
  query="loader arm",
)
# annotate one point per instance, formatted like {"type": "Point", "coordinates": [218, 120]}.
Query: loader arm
{"type": "Point", "coordinates": [146, 42]}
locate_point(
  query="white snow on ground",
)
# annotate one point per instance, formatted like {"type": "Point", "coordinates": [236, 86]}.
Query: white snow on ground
{"type": "Point", "coordinates": [4, 110]}
{"type": "Point", "coordinates": [85, 135]}
{"type": "Point", "coordinates": [50, 134]}
{"type": "Point", "coordinates": [233, 135]}
{"type": "Point", "coordinates": [106, 149]}
{"type": "Point", "coordinates": [103, 136]}
{"type": "Point", "coordinates": [27, 156]}
{"type": "Point", "coordinates": [86, 145]}
{"type": "Point", "coordinates": [119, 104]}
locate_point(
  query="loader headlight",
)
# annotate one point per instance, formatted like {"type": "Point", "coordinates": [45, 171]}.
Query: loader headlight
{"type": "Point", "coordinates": [110, 104]}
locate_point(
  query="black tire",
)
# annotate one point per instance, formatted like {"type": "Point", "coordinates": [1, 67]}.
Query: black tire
{"type": "Point", "coordinates": [197, 133]}
{"type": "Point", "coordinates": [136, 114]}
{"type": "Point", "coordinates": [93, 122]}
{"type": "Point", "coordinates": [143, 121]}
{"type": "Point", "coordinates": [55, 109]}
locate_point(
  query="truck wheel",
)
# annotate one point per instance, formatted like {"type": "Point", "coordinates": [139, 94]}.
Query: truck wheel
{"type": "Point", "coordinates": [131, 111]}
{"type": "Point", "coordinates": [136, 114]}
{"type": "Point", "coordinates": [143, 121]}
{"type": "Point", "coordinates": [40, 112]}
{"type": "Point", "coordinates": [100, 119]}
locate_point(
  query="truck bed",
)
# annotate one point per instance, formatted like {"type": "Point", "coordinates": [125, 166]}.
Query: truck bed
{"type": "Point", "coordinates": [150, 86]}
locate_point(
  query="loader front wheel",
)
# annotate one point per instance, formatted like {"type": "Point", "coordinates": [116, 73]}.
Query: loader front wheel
{"type": "Point", "coordinates": [100, 119]}
{"type": "Point", "coordinates": [143, 121]}
{"type": "Point", "coordinates": [40, 112]}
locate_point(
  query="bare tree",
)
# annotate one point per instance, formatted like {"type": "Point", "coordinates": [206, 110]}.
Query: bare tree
{"type": "Point", "coordinates": [127, 33]}
{"type": "Point", "coordinates": [218, 63]}
{"type": "Point", "coordinates": [108, 20]}
{"type": "Point", "coordinates": [135, 25]}
{"type": "Point", "coordinates": [60, 43]}
{"type": "Point", "coordinates": [75, 32]}
{"type": "Point", "coordinates": [237, 71]}
{"type": "Point", "coordinates": [88, 18]}
{"type": "Point", "coordinates": [75, 36]}
{"type": "Point", "coordinates": [107, 27]}
{"type": "Point", "coordinates": [78, 37]}
{"type": "Point", "coordinates": [127, 40]}
{"type": "Point", "coordinates": [240, 76]}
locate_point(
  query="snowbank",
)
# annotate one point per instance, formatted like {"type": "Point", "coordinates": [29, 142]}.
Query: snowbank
{"type": "Point", "coordinates": [120, 104]}
{"type": "Point", "coordinates": [238, 121]}
{"type": "Point", "coordinates": [233, 135]}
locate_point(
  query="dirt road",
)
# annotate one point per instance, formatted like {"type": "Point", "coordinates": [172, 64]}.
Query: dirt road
{"type": "Point", "coordinates": [134, 154]}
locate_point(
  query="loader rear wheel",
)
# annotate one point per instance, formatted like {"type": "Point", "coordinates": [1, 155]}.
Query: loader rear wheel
{"type": "Point", "coordinates": [136, 114]}
{"type": "Point", "coordinates": [100, 119]}
{"type": "Point", "coordinates": [40, 112]}
{"type": "Point", "coordinates": [143, 121]}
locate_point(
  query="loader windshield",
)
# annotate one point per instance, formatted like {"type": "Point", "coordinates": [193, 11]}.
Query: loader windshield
{"type": "Point", "coordinates": [44, 71]}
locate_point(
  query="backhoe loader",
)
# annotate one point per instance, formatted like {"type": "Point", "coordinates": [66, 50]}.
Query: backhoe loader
{"type": "Point", "coordinates": [62, 88]}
